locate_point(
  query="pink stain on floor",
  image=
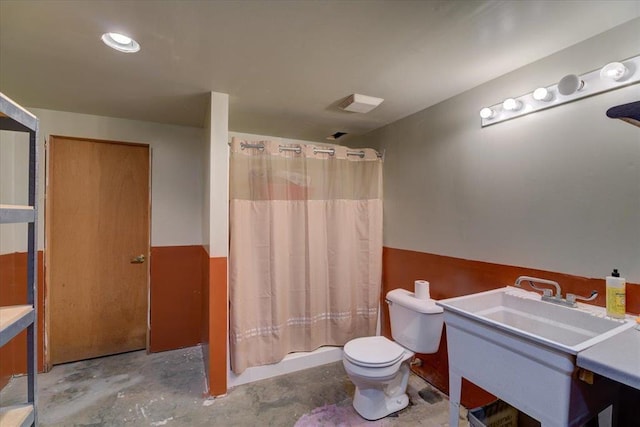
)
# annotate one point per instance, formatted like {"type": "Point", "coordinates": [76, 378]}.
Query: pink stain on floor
{"type": "Point", "coordinates": [334, 416]}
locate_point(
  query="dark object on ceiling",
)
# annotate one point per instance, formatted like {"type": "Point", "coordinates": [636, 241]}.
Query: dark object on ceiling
{"type": "Point", "coordinates": [630, 113]}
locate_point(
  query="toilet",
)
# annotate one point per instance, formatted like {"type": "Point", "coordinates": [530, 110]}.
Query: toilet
{"type": "Point", "coordinates": [379, 367]}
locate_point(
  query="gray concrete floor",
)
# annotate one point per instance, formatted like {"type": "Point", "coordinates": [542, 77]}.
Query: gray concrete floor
{"type": "Point", "coordinates": [167, 389]}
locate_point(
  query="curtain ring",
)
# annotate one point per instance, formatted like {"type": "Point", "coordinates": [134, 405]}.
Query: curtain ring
{"type": "Point", "coordinates": [244, 145]}
{"type": "Point", "coordinates": [329, 151]}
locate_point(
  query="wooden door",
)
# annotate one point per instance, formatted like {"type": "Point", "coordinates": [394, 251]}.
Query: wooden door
{"type": "Point", "coordinates": [97, 248]}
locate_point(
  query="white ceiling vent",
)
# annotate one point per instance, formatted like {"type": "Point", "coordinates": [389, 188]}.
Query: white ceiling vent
{"type": "Point", "coordinates": [360, 103]}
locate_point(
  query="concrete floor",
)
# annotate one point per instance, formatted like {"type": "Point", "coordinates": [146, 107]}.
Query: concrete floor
{"type": "Point", "coordinates": [136, 389]}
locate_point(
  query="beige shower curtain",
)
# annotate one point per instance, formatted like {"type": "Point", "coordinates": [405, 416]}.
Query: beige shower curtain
{"type": "Point", "coordinates": [305, 248]}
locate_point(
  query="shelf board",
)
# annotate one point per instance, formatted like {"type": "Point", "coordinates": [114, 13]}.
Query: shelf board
{"type": "Point", "coordinates": [13, 320]}
{"type": "Point", "coordinates": [16, 213]}
{"type": "Point", "coordinates": [16, 416]}
{"type": "Point", "coordinates": [12, 113]}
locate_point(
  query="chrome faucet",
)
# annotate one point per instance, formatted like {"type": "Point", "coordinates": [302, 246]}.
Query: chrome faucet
{"type": "Point", "coordinates": [547, 294]}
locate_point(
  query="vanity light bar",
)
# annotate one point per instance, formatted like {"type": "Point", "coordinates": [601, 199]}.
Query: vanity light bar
{"type": "Point", "coordinates": [570, 88]}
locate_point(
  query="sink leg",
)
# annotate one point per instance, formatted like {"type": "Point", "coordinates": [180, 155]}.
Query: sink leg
{"type": "Point", "coordinates": [455, 390]}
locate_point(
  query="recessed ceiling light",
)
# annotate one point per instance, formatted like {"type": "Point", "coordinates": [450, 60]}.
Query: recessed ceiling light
{"type": "Point", "coordinates": [120, 42]}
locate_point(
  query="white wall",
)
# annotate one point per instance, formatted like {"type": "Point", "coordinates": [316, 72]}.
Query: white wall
{"type": "Point", "coordinates": [206, 179]}
{"type": "Point", "coordinates": [218, 176]}
{"type": "Point", "coordinates": [556, 190]}
{"type": "Point", "coordinates": [176, 171]}
{"type": "Point", "coordinates": [14, 187]}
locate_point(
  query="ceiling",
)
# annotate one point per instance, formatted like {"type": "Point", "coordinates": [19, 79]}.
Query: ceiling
{"type": "Point", "coordinates": [285, 64]}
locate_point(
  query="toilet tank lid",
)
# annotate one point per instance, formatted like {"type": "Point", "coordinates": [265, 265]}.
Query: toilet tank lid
{"type": "Point", "coordinates": [408, 300]}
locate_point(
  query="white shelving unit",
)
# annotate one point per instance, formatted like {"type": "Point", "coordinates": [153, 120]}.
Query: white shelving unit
{"type": "Point", "coordinates": [17, 318]}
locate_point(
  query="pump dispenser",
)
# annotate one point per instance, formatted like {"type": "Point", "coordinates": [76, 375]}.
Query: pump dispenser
{"type": "Point", "coordinates": [616, 306]}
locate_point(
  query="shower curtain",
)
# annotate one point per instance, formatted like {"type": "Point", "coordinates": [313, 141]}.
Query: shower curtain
{"type": "Point", "coordinates": [305, 259]}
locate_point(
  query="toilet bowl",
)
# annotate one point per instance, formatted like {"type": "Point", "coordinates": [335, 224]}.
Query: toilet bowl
{"type": "Point", "coordinates": [379, 367]}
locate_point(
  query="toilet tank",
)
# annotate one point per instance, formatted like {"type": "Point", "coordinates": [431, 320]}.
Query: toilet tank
{"type": "Point", "coordinates": [416, 324]}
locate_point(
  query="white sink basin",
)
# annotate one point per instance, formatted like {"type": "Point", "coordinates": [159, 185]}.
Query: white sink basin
{"type": "Point", "coordinates": [524, 314]}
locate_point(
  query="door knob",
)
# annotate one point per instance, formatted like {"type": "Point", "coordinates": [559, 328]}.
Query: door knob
{"type": "Point", "coordinates": [138, 260]}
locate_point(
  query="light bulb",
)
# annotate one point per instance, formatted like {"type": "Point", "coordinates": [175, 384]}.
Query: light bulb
{"type": "Point", "coordinates": [570, 84]}
{"type": "Point", "coordinates": [542, 94]}
{"type": "Point", "coordinates": [511, 104]}
{"type": "Point", "coordinates": [486, 113]}
{"type": "Point", "coordinates": [120, 38]}
{"type": "Point", "coordinates": [613, 71]}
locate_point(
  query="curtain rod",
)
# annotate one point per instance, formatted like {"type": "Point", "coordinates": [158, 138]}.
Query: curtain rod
{"type": "Point", "coordinates": [298, 149]}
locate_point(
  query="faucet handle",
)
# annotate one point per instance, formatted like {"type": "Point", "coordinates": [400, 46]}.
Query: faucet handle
{"type": "Point", "coordinates": [571, 298]}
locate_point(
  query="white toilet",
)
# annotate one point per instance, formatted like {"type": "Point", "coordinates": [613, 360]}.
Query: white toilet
{"type": "Point", "coordinates": [379, 367]}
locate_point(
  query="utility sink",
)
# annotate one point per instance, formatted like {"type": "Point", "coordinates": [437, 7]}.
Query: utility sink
{"type": "Point", "coordinates": [523, 350]}
{"type": "Point", "coordinates": [523, 313]}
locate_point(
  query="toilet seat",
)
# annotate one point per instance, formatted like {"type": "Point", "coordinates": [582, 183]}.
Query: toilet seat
{"type": "Point", "coordinates": [373, 352]}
